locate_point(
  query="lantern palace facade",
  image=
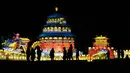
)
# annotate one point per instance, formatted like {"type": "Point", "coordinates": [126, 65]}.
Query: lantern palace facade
{"type": "Point", "coordinates": [56, 34]}
{"type": "Point", "coordinates": [101, 45]}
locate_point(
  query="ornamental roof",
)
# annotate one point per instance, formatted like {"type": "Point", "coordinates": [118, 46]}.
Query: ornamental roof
{"type": "Point", "coordinates": [51, 34]}
{"type": "Point", "coordinates": [56, 15]}
{"type": "Point", "coordinates": [56, 24]}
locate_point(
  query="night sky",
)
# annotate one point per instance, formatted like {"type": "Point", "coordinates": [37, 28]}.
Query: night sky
{"type": "Point", "coordinates": [86, 22]}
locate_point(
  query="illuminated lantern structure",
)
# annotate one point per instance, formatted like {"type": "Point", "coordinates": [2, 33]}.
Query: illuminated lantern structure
{"type": "Point", "coordinates": [17, 42]}
{"type": "Point", "coordinates": [56, 33]}
{"type": "Point", "coordinates": [101, 45]}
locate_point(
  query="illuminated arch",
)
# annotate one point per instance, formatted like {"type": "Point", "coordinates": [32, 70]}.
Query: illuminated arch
{"type": "Point", "coordinates": [37, 43]}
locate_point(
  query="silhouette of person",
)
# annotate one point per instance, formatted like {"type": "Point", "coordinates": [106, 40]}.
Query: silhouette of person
{"type": "Point", "coordinates": [108, 54]}
{"type": "Point", "coordinates": [28, 54]}
{"type": "Point", "coordinates": [38, 52]}
{"type": "Point", "coordinates": [32, 54]}
{"type": "Point", "coordinates": [52, 54]}
{"type": "Point", "coordinates": [122, 53]}
{"type": "Point", "coordinates": [64, 53]}
{"type": "Point", "coordinates": [77, 54]}
{"type": "Point", "coordinates": [70, 52]}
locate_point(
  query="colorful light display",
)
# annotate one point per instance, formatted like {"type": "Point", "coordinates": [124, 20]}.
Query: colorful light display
{"type": "Point", "coordinates": [99, 45]}
{"type": "Point", "coordinates": [16, 43]}
{"type": "Point", "coordinates": [56, 33]}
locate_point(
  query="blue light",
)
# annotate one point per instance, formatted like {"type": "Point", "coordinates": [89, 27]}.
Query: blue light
{"type": "Point", "coordinates": [103, 50]}
{"type": "Point", "coordinates": [56, 15]}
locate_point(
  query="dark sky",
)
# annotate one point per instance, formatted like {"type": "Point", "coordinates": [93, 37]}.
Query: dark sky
{"type": "Point", "coordinates": [86, 22]}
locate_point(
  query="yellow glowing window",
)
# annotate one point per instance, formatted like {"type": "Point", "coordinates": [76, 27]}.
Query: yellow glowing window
{"type": "Point", "coordinates": [65, 38]}
{"type": "Point", "coordinates": [46, 38]}
{"type": "Point", "coordinates": [52, 19]}
{"type": "Point", "coordinates": [59, 27]}
{"type": "Point", "coordinates": [47, 27]}
{"type": "Point", "coordinates": [55, 37]}
{"type": "Point", "coordinates": [55, 27]}
{"type": "Point", "coordinates": [50, 38]}
{"type": "Point", "coordinates": [60, 38]}
{"type": "Point", "coordinates": [51, 27]}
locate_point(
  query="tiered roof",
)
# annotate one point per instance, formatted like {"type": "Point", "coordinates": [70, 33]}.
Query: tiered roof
{"type": "Point", "coordinates": [56, 20]}
{"type": "Point", "coordinates": [56, 34]}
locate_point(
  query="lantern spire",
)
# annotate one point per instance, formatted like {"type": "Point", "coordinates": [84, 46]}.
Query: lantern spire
{"type": "Point", "coordinates": [56, 8]}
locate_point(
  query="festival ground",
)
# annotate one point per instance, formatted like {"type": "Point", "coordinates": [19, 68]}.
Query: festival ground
{"type": "Point", "coordinates": [67, 66]}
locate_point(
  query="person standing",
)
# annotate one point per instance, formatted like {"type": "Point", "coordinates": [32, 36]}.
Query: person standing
{"type": "Point", "coordinates": [28, 54]}
{"type": "Point", "coordinates": [28, 51]}
{"type": "Point", "coordinates": [32, 54]}
{"type": "Point", "coordinates": [64, 54]}
{"type": "Point", "coordinates": [70, 52]}
{"type": "Point", "coordinates": [38, 53]}
{"type": "Point", "coordinates": [52, 54]}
